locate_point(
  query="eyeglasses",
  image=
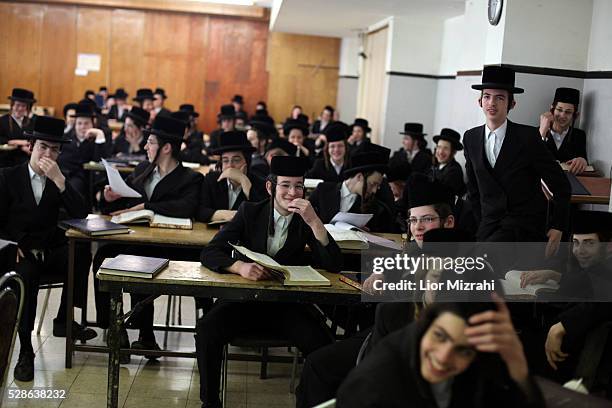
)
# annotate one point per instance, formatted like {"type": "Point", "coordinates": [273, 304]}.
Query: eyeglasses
{"type": "Point", "coordinates": [561, 111]}
{"type": "Point", "coordinates": [236, 161]}
{"type": "Point", "coordinates": [152, 141]}
{"type": "Point", "coordinates": [424, 220]}
{"type": "Point", "coordinates": [287, 187]}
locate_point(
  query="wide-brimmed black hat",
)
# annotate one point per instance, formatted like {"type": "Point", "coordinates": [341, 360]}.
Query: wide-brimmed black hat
{"type": "Point", "coordinates": [567, 95]}
{"type": "Point", "coordinates": [68, 106]}
{"type": "Point", "coordinates": [47, 128]}
{"type": "Point", "coordinates": [336, 132]}
{"type": "Point", "coordinates": [282, 144]}
{"type": "Point", "coordinates": [169, 129]}
{"type": "Point", "coordinates": [182, 116]}
{"type": "Point", "coordinates": [22, 95]}
{"type": "Point", "coordinates": [591, 222]}
{"type": "Point", "coordinates": [494, 77]}
{"type": "Point", "coordinates": [421, 190]}
{"type": "Point", "coordinates": [291, 124]}
{"type": "Point", "coordinates": [262, 125]}
{"type": "Point", "coordinates": [399, 170]}
{"type": "Point", "coordinates": [375, 158]}
{"type": "Point", "coordinates": [289, 166]}
{"type": "Point", "coordinates": [161, 92]}
{"type": "Point", "coordinates": [102, 88]}
{"type": "Point", "coordinates": [233, 141]}
{"type": "Point", "coordinates": [121, 94]}
{"type": "Point", "coordinates": [227, 112]}
{"type": "Point", "coordinates": [143, 94]}
{"type": "Point", "coordinates": [139, 116]}
{"type": "Point", "coordinates": [238, 99]}
{"type": "Point", "coordinates": [92, 105]}
{"type": "Point", "coordinates": [450, 136]}
{"type": "Point", "coordinates": [413, 129]}
{"type": "Point", "coordinates": [242, 115]}
{"type": "Point", "coordinates": [362, 123]}
{"type": "Point", "coordinates": [187, 107]}
{"type": "Point", "coordinates": [84, 110]}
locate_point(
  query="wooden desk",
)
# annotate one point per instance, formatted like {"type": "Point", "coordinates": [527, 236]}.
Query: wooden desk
{"type": "Point", "coordinates": [192, 279]}
{"type": "Point", "coordinates": [599, 187]}
{"type": "Point", "coordinates": [7, 148]}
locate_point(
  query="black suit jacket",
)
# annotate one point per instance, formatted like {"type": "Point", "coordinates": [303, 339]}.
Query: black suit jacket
{"type": "Point", "coordinates": [572, 146]}
{"type": "Point", "coordinates": [121, 145]}
{"type": "Point", "coordinates": [10, 130]}
{"type": "Point", "coordinates": [194, 144]}
{"type": "Point", "coordinates": [214, 195]}
{"type": "Point", "coordinates": [326, 201]}
{"type": "Point", "coordinates": [316, 127]}
{"type": "Point", "coordinates": [421, 162]}
{"type": "Point", "coordinates": [451, 176]}
{"type": "Point", "coordinates": [249, 228]}
{"type": "Point", "coordinates": [113, 114]}
{"type": "Point", "coordinates": [320, 171]}
{"type": "Point", "coordinates": [34, 226]}
{"type": "Point", "coordinates": [510, 194]}
{"type": "Point", "coordinates": [75, 154]}
{"type": "Point", "coordinates": [176, 195]}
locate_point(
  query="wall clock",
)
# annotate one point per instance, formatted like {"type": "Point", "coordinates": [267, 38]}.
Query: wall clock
{"type": "Point", "coordinates": [495, 11]}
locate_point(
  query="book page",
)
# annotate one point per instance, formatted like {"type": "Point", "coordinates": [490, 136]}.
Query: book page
{"type": "Point", "coordinates": [356, 220]}
{"type": "Point", "coordinates": [513, 278]}
{"type": "Point", "coordinates": [341, 234]}
{"type": "Point", "coordinates": [261, 259]}
{"type": "Point", "coordinates": [304, 275]}
{"type": "Point", "coordinates": [311, 182]}
{"type": "Point", "coordinates": [133, 217]}
{"type": "Point", "coordinates": [384, 242]}
{"type": "Point", "coordinates": [162, 221]}
{"type": "Point", "coordinates": [117, 184]}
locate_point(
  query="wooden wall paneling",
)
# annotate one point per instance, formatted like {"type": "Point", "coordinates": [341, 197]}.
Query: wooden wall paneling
{"type": "Point", "coordinates": [195, 74]}
{"type": "Point", "coordinates": [22, 31]}
{"type": "Point", "coordinates": [58, 58]}
{"type": "Point", "coordinates": [127, 49]}
{"type": "Point", "coordinates": [6, 10]}
{"type": "Point", "coordinates": [93, 37]}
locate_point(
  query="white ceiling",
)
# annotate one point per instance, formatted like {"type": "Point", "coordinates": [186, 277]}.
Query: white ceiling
{"type": "Point", "coordinates": [341, 18]}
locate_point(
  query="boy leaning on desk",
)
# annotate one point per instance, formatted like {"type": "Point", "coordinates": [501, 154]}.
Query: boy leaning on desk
{"type": "Point", "coordinates": [279, 227]}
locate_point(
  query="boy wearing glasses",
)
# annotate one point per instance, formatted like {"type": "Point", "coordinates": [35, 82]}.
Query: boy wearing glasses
{"type": "Point", "coordinates": [279, 227]}
{"type": "Point", "coordinates": [223, 191]}
{"type": "Point", "coordinates": [32, 195]}
{"type": "Point", "coordinates": [566, 143]}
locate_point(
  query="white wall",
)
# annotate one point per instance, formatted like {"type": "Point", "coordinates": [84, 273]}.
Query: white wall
{"type": "Point", "coordinates": [597, 122]}
{"type": "Point", "coordinates": [600, 57]}
{"type": "Point", "coordinates": [474, 35]}
{"type": "Point", "coordinates": [349, 59]}
{"type": "Point", "coordinates": [346, 103]}
{"type": "Point", "coordinates": [415, 46]}
{"type": "Point", "coordinates": [452, 45]}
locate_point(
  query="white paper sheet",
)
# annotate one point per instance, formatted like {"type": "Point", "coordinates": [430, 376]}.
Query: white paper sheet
{"type": "Point", "coordinates": [358, 220]}
{"type": "Point", "coordinates": [117, 184]}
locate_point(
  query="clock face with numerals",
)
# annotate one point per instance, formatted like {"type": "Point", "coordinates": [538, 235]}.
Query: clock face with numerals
{"type": "Point", "coordinates": [495, 11]}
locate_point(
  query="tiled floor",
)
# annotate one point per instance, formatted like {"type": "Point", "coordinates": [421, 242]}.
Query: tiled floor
{"type": "Point", "coordinates": [171, 382]}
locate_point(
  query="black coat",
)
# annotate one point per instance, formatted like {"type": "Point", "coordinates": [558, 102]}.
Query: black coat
{"type": "Point", "coordinates": [420, 163]}
{"type": "Point", "coordinates": [194, 144]}
{"type": "Point", "coordinates": [214, 195]}
{"type": "Point", "coordinates": [121, 145]}
{"type": "Point", "coordinates": [316, 127]}
{"type": "Point", "coordinates": [389, 376]}
{"type": "Point", "coordinates": [249, 228]}
{"type": "Point", "coordinates": [451, 176]}
{"type": "Point", "coordinates": [359, 148]}
{"type": "Point", "coordinates": [75, 154]}
{"type": "Point", "coordinates": [34, 226]}
{"type": "Point", "coordinates": [114, 111]}
{"type": "Point", "coordinates": [320, 171]}
{"type": "Point", "coordinates": [176, 195]}
{"type": "Point", "coordinates": [326, 201]}
{"type": "Point", "coordinates": [572, 146]}
{"type": "Point", "coordinates": [10, 130]}
{"type": "Point", "coordinates": [510, 195]}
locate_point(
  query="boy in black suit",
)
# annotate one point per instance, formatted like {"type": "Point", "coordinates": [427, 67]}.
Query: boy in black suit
{"type": "Point", "coordinates": [12, 126]}
{"type": "Point", "coordinates": [32, 195]}
{"type": "Point", "coordinates": [505, 163]}
{"type": "Point", "coordinates": [446, 169]}
{"type": "Point", "coordinates": [280, 227]}
{"type": "Point", "coordinates": [223, 191]}
{"type": "Point", "coordinates": [567, 143]}
{"type": "Point", "coordinates": [414, 150]}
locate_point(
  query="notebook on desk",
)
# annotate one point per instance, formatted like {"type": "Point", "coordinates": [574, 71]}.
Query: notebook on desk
{"type": "Point", "coordinates": [95, 226]}
{"type": "Point", "coordinates": [132, 265]}
{"type": "Point", "coordinates": [577, 187]}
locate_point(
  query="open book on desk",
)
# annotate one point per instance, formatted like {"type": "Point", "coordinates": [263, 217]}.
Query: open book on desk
{"type": "Point", "coordinates": [293, 275]}
{"type": "Point", "coordinates": [350, 237]}
{"type": "Point", "coordinates": [512, 286]}
{"type": "Point", "coordinates": [154, 220]}
{"type": "Point", "coordinates": [566, 167]}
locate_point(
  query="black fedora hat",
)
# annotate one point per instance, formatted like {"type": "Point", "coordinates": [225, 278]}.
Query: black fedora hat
{"type": "Point", "coordinates": [264, 126]}
{"type": "Point", "coordinates": [143, 94]}
{"type": "Point", "coordinates": [362, 123]}
{"type": "Point", "coordinates": [450, 136]}
{"type": "Point", "coordinates": [233, 141]}
{"type": "Point", "coordinates": [567, 95]}
{"type": "Point", "coordinates": [374, 158]}
{"type": "Point", "coordinates": [238, 99]}
{"type": "Point", "coordinates": [282, 144]}
{"type": "Point", "coordinates": [494, 77]}
{"type": "Point", "coordinates": [227, 112]}
{"type": "Point", "coordinates": [161, 92]}
{"type": "Point", "coordinates": [121, 94]}
{"type": "Point", "coordinates": [84, 110]}
{"type": "Point", "coordinates": [183, 116]}
{"type": "Point", "coordinates": [336, 132]}
{"type": "Point", "coordinates": [289, 166]}
{"type": "Point", "coordinates": [139, 116]}
{"type": "Point", "coordinates": [413, 129]}
{"type": "Point", "coordinates": [22, 95]}
{"type": "Point", "coordinates": [167, 128]}
{"type": "Point", "coordinates": [187, 107]}
{"type": "Point", "coordinates": [591, 222]}
{"type": "Point", "coordinates": [291, 124]}
{"type": "Point", "coordinates": [399, 170]}
{"type": "Point", "coordinates": [421, 191]}
{"type": "Point", "coordinates": [47, 128]}
{"type": "Point", "coordinates": [69, 106]}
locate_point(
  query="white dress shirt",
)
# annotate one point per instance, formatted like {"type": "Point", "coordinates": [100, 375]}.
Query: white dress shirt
{"type": "Point", "coordinates": [281, 227]}
{"type": "Point", "coordinates": [558, 137]}
{"type": "Point", "coordinates": [153, 180]}
{"type": "Point", "coordinates": [337, 167]}
{"type": "Point", "coordinates": [19, 121]}
{"type": "Point", "coordinates": [494, 139]}
{"type": "Point", "coordinates": [232, 193]}
{"type": "Point", "coordinates": [38, 184]}
{"type": "Point", "coordinates": [347, 199]}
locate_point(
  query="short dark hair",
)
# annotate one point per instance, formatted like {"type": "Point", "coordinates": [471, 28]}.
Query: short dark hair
{"type": "Point", "coordinates": [443, 210]}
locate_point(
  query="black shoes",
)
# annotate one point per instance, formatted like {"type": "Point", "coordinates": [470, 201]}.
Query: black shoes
{"type": "Point", "coordinates": [24, 370]}
{"type": "Point", "coordinates": [143, 344]}
{"type": "Point", "coordinates": [78, 332]}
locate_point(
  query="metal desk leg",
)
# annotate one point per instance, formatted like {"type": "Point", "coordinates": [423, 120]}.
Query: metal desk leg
{"type": "Point", "coordinates": [112, 392]}
{"type": "Point", "coordinates": [69, 301]}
